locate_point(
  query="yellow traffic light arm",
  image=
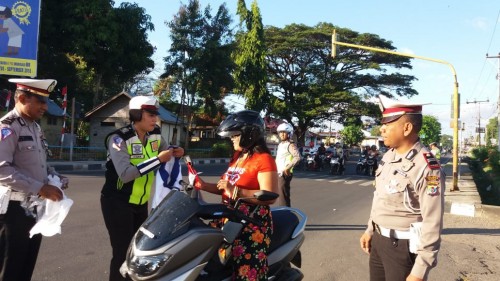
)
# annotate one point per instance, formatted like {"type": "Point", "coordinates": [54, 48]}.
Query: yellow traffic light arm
{"type": "Point", "coordinates": [335, 42]}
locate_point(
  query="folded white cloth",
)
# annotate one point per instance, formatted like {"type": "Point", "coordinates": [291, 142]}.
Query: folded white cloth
{"type": "Point", "coordinates": [167, 178]}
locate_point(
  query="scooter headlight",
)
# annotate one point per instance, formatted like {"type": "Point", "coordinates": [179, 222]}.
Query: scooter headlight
{"type": "Point", "coordinates": [148, 265]}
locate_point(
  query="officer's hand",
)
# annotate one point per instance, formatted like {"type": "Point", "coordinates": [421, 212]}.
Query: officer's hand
{"type": "Point", "coordinates": [286, 172]}
{"type": "Point", "coordinates": [365, 242]}
{"type": "Point", "coordinates": [413, 278]}
{"type": "Point", "coordinates": [51, 192]}
{"type": "Point", "coordinates": [178, 152]}
{"type": "Point", "coordinates": [165, 155]}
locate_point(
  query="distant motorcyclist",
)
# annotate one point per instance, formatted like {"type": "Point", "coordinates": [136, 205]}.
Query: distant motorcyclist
{"type": "Point", "coordinates": [320, 155]}
{"type": "Point", "coordinates": [338, 151]}
{"type": "Point", "coordinates": [374, 153]}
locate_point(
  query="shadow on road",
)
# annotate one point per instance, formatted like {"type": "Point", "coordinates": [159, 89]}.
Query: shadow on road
{"type": "Point", "coordinates": [480, 231]}
{"type": "Point", "coordinates": [322, 227]}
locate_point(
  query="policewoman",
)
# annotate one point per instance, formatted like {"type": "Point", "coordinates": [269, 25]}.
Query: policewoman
{"type": "Point", "coordinates": [406, 219]}
{"type": "Point", "coordinates": [23, 175]}
{"type": "Point", "coordinates": [134, 153]}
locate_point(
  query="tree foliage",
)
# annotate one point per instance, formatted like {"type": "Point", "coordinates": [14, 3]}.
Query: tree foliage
{"type": "Point", "coordinates": [249, 57]}
{"type": "Point", "coordinates": [310, 87]}
{"type": "Point", "coordinates": [352, 135]}
{"type": "Point", "coordinates": [93, 47]}
{"type": "Point", "coordinates": [431, 130]}
{"type": "Point", "coordinates": [446, 141]}
{"type": "Point", "coordinates": [199, 57]}
{"type": "Point", "coordinates": [491, 131]}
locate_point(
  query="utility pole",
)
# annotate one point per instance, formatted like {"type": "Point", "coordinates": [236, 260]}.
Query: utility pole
{"type": "Point", "coordinates": [479, 117]}
{"type": "Point", "coordinates": [498, 103]}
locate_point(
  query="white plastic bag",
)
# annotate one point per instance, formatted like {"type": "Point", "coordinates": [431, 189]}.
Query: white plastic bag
{"type": "Point", "coordinates": [51, 214]}
{"type": "Point", "coordinates": [415, 232]}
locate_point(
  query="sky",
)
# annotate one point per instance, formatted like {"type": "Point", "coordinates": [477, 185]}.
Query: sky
{"type": "Point", "coordinates": [459, 33]}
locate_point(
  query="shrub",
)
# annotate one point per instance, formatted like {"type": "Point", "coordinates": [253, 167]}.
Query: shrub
{"type": "Point", "coordinates": [222, 149]}
{"type": "Point", "coordinates": [480, 153]}
{"type": "Point", "coordinates": [494, 161]}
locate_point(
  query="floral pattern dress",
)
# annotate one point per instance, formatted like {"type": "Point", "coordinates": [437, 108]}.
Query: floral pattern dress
{"type": "Point", "coordinates": [250, 249]}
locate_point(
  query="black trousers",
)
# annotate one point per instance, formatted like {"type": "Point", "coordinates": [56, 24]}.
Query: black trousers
{"type": "Point", "coordinates": [284, 186]}
{"type": "Point", "coordinates": [18, 252]}
{"type": "Point", "coordinates": [122, 220]}
{"type": "Point", "coordinates": [390, 259]}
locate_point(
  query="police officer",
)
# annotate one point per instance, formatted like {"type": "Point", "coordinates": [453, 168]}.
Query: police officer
{"type": "Point", "coordinates": [23, 174]}
{"type": "Point", "coordinates": [408, 199]}
{"type": "Point", "coordinates": [287, 156]}
{"type": "Point", "coordinates": [435, 150]}
{"type": "Point", "coordinates": [134, 152]}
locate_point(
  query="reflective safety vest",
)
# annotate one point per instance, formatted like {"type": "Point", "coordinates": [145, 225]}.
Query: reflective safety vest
{"type": "Point", "coordinates": [136, 191]}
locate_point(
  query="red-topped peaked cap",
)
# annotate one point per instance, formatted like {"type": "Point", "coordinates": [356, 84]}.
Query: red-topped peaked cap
{"type": "Point", "coordinates": [392, 110]}
{"type": "Point", "coordinates": [147, 103]}
{"type": "Point", "coordinates": [41, 87]}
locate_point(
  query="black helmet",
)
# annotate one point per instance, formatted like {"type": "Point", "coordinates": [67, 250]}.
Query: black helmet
{"type": "Point", "coordinates": [248, 123]}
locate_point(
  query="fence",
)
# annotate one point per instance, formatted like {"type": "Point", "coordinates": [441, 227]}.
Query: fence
{"type": "Point", "coordinates": [65, 153]}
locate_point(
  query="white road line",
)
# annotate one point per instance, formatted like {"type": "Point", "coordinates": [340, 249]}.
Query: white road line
{"type": "Point", "coordinates": [368, 183]}
{"type": "Point", "coordinates": [353, 182]}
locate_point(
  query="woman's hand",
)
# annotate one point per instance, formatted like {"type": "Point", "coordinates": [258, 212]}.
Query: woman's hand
{"type": "Point", "coordinates": [225, 187]}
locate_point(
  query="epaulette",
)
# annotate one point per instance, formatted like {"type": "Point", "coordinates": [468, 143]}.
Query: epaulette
{"type": "Point", "coordinates": [9, 120]}
{"type": "Point", "coordinates": [432, 162]}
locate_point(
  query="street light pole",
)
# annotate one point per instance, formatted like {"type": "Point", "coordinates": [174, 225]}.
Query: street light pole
{"type": "Point", "coordinates": [479, 118]}
{"type": "Point", "coordinates": [455, 93]}
{"type": "Point", "coordinates": [498, 103]}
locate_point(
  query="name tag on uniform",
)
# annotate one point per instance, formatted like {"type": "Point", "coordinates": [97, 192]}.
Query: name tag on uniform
{"type": "Point", "coordinates": [25, 138]}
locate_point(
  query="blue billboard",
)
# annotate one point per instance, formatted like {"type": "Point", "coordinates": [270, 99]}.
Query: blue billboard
{"type": "Point", "coordinates": [19, 26]}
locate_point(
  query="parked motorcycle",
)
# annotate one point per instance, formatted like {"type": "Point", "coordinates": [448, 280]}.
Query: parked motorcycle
{"type": "Point", "coordinates": [176, 243]}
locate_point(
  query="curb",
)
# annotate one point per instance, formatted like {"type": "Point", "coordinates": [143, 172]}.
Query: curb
{"type": "Point", "coordinates": [101, 165]}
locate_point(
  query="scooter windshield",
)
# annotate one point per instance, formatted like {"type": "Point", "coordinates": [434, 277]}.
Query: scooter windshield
{"type": "Point", "coordinates": [167, 221]}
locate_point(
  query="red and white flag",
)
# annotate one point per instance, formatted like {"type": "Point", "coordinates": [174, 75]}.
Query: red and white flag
{"type": "Point", "coordinates": [193, 177]}
{"type": "Point", "coordinates": [7, 100]}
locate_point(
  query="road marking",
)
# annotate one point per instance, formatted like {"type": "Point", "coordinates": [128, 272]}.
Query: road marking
{"type": "Point", "coordinates": [319, 179]}
{"type": "Point", "coordinates": [368, 183]}
{"type": "Point", "coordinates": [337, 180]}
{"type": "Point", "coordinates": [353, 182]}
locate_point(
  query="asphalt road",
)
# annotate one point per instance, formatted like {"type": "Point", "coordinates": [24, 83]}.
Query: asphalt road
{"type": "Point", "coordinates": [337, 209]}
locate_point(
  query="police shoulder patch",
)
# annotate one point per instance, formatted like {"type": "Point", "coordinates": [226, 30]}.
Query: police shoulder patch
{"type": "Point", "coordinates": [433, 185]}
{"type": "Point", "coordinates": [117, 141]}
{"type": "Point", "coordinates": [5, 133]}
{"type": "Point", "coordinates": [432, 162]}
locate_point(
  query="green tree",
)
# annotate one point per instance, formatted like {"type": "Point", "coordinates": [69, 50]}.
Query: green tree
{"type": "Point", "coordinates": [375, 130]}
{"type": "Point", "coordinates": [446, 141]}
{"type": "Point", "coordinates": [93, 47]}
{"type": "Point", "coordinates": [310, 87]}
{"type": "Point", "coordinates": [352, 135]}
{"type": "Point", "coordinates": [249, 56]}
{"type": "Point", "coordinates": [431, 130]}
{"type": "Point", "coordinates": [491, 130]}
{"type": "Point", "coordinates": [199, 60]}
